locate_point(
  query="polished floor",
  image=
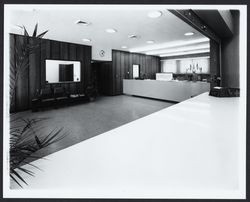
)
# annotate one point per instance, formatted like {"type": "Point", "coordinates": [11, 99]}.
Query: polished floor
{"type": "Point", "coordinates": [87, 120]}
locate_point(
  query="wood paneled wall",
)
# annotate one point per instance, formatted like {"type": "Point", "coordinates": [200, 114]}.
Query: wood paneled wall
{"type": "Point", "coordinates": [33, 77]}
{"type": "Point", "coordinates": [122, 68]}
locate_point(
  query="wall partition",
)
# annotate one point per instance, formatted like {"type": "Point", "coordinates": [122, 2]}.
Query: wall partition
{"type": "Point", "coordinates": [33, 78]}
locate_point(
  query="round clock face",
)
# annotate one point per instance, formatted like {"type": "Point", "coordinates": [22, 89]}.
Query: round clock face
{"type": "Point", "coordinates": [102, 53]}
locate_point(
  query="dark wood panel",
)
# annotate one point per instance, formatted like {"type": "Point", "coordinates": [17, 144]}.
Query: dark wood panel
{"type": "Point", "coordinates": [122, 63]}
{"type": "Point", "coordinates": [80, 57]}
{"type": "Point", "coordinates": [12, 74]}
{"type": "Point", "coordinates": [214, 62]}
{"type": "Point", "coordinates": [142, 67]}
{"type": "Point", "coordinates": [55, 50]}
{"type": "Point", "coordinates": [130, 66]}
{"type": "Point", "coordinates": [214, 58]}
{"type": "Point", "coordinates": [126, 65]}
{"type": "Point", "coordinates": [87, 62]}
{"type": "Point", "coordinates": [122, 69]}
{"type": "Point", "coordinates": [22, 88]}
{"type": "Point", "coordinates": [149, 65]}
{"type": "Point", "coordinates": [34, 77]}
{"type": "Point", "coordinates": [45, 54]}
{"type": "Point", "coordinates": [72, 52]}
{"type": "Point", "coordinates": [118, 73]}
{"type": "Point", "coordinates": [113, 73]}
{"type": "Point", "coordinates": [105, 78]}
{"type": "Point", "coordinates": [34, 68]}
{"type": "Point", "coordinates": [64, 51]}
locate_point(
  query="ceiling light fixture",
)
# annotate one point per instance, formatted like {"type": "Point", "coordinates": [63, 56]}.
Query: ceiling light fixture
{"type": "Point", "coordinates": [189, 34]}
{"type": "Point", "coordinates": [151, 41]}
{"type": "Point", "coordinates": [155, 14]}
{"type": "Point", "coordinates": [132, 36]}
{"type": "Point", "coordinates": [124, 47]}
{"type": "Point", "coordinates": [80, 22]}
{"type": "Point", "coordinates": [86, 40]}
{"type": "Point", "coordinates": [111, 30]}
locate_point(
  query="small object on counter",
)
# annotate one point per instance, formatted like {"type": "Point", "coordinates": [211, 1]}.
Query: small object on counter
{"type": "Point", "coordinates": [224, 92]}
{"type": "Point", "coordinates": [167, 76]}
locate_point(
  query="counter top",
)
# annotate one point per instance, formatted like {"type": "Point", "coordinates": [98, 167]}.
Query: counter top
{"type": "Point", "coordinates": [166, 81]}
{"type": "Point", "coordinates": [173, 90]}
{"type": "Point", "coordinates": [188, 150]}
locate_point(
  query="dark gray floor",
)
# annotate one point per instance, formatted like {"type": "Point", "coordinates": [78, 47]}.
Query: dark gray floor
{"type": "Point", "coordinates": [87, 120]}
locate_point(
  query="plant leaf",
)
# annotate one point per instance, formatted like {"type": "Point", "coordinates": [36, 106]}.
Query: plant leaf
{"type": "Point", "coordinates": [26, 171]}
{"type": "Point", "coordinates": [15, 180]}
{"type": "Point", "coordinates": [25, 32]}
{"type": "Point", "coordinates": [38, 142]}
{"type": "Point", "coordinates": [35, 30]}
{"type": "Point", "coordinates": [42, 34]}
{"type": "Point", "coordinates": [16, 174]}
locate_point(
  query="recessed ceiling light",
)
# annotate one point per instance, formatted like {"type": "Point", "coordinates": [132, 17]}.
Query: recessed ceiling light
{"type": "Point", "coordinates": [155, 14]}
{"type": "Point", "coordinates": [86, 40]}
{"type": "Point", "coordinates": [110, 30]}
{"type": "Point", "coordinates": [150, 41]}
{"type": "Point", "coordinates": [80, 22]}
{"type": "Point", "coordinates": [189, 34]}
{"type": "Point", "coordinates": [124, 47]}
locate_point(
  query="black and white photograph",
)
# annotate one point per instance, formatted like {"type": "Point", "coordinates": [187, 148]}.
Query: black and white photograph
{"type": "Point", "coordinates": [125, 101]}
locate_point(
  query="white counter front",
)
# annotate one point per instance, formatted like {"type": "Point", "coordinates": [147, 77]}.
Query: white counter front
{"type": "Point", "coordinates": [165, 90]}
{"type": "Point", "coordinates": [193, 149]}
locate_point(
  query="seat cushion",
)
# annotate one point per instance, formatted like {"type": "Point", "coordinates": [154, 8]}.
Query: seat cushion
{"type": "Point", "coordinates": [59, 92]}
{"type": "Point", "coordinates": [46, 93]}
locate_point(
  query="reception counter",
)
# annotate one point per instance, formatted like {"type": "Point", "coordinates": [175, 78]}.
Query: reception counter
{"type": "Point", "coordinates": [192, 149]}
{"type": "Point", "coordinates": [177, 91]}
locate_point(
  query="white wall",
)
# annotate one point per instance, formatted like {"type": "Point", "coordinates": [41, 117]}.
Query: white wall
{"type": "Point", "coordinates": [181, 66]}
{"type": "Point", "coordinates": [52, 70]}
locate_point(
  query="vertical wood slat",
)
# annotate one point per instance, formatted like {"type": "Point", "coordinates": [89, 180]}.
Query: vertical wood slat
{"type": "Point", "coordinates": [87, 61]}
{"type": "Point", "coordinates": [55, 50]}
{"type": "Point", "coordinates": [143, 69]}
{"type": "Point", "coordinates": [72, 52]}
{"type": "Point", "coordinates": [126, 65]}
{"type": "Point", "coordinates": [117, 72]}
{"type": "Point", "coordinates": [22, 89]}
{"type": "Point", "coordinates": [45, 54]}
{"type": "Point", "coordinates": [12, 74]}
{"type": "Point", "coordinates": [122, 69]}
{"type": "Point", "coordinates": [130, 66]}
{"type": "Point", "coordinates": [113, 72]}
{"type": "Point", "coordinates": [34, 69]}
{"type": "Point", "coordinates": [214, 61]}
{"type": "Point", "coordinates": [64, 51]}
{"type": "Point", "coordinates": [214, 58]}
{"type": "Point", "coordinates": [80, 56]}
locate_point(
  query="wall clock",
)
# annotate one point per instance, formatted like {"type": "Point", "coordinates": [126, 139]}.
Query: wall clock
{"type": "Point", "coordinates": [102, 53]}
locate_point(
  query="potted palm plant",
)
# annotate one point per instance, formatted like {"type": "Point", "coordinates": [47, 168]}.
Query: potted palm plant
{"type": "Point", "coordinates": [24, 140]}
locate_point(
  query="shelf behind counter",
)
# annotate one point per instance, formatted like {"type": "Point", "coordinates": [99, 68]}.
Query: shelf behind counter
{"type": "Point", "coordinates": [173, 90]}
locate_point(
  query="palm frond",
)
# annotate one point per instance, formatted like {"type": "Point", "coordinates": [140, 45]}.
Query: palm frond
{"type": "Point", "coordinates": [25, 136]}
{"type": "Point", "coordinates": [35, 30]}
{"type": "Point", "coordinates": [42, 34]}
{"type": "Point", "coordinates": [25, 32]}
{"type": "Point", "coordinates": [25, 142]}
{"type": "Point", "coordinates": [18, 176]}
